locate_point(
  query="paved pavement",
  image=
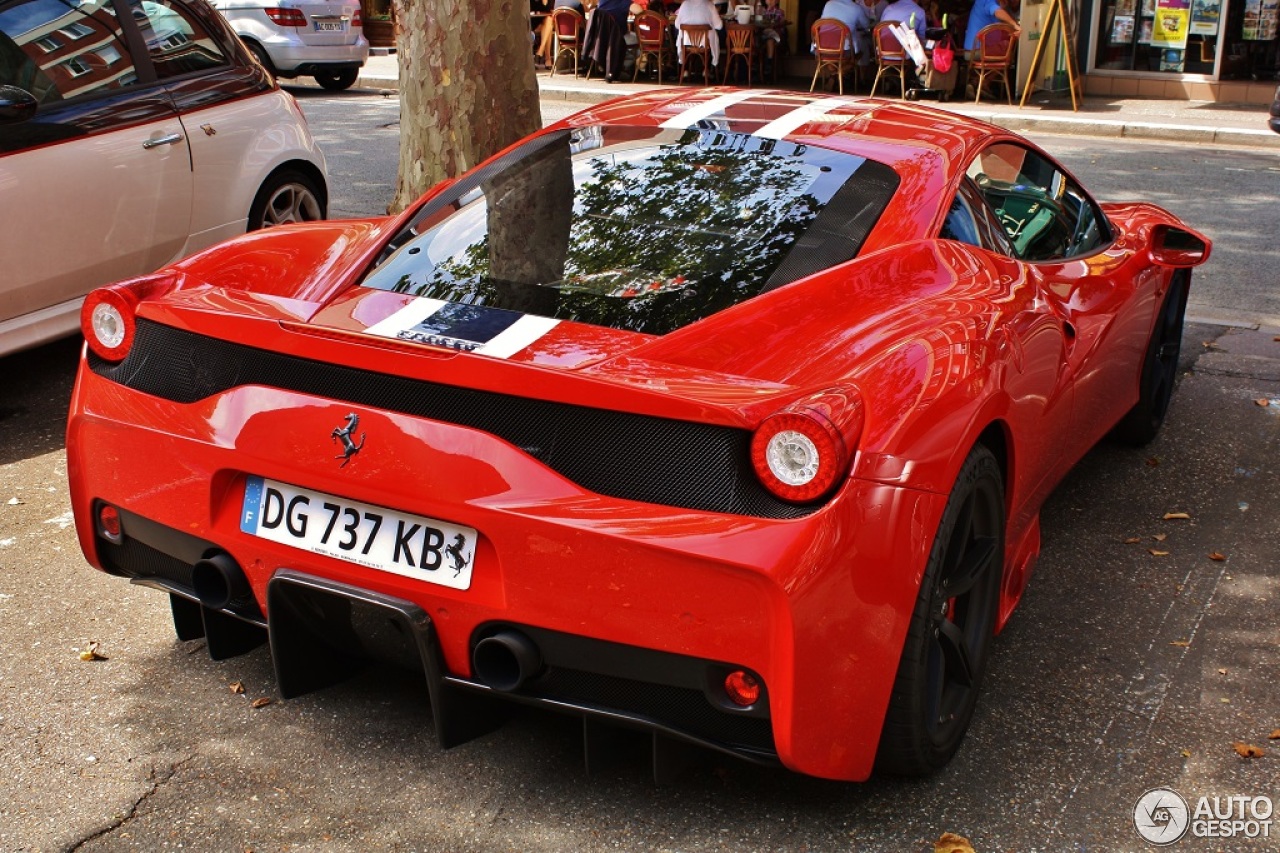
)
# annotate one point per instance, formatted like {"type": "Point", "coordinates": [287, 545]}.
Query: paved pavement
{"type": "Point", "coordinates": [1194, 122]}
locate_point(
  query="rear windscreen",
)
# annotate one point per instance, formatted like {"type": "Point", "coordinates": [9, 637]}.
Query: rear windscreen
{"type": "Point", "coordinates": [638, 228]}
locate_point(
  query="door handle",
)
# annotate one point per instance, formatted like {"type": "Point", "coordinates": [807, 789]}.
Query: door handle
{"type": "Point", "coordinates": [167, 139]}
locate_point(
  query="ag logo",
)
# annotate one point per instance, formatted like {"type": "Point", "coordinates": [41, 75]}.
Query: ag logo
{"type": "Point", "coordinates": [1161, 816]}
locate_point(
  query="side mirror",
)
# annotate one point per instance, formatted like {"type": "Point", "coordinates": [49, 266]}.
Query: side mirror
{"type": "Point", "coordinates": [16, 105]}
{"type": "Point", "coordinates": [1178, 247]}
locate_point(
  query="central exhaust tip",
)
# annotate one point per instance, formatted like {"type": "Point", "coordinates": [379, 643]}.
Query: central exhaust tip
{"type": "Point", "coordinates": [219, 582]}
{"type": "Point", "coordinates": [506, 661]}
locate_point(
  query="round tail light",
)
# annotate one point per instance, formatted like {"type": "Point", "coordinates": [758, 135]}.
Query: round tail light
{"type": "Point", "coordinates": [803, 451]}
{"type": "Point", "coordinates": [108, 316]}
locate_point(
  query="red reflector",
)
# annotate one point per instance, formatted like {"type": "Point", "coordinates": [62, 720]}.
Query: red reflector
{"type": "Point", "coordinates": [356, 20]}
{"type": "Point", "coordinates": [743, 688]}
{"type": "Point", "coordinates": [109, 522]}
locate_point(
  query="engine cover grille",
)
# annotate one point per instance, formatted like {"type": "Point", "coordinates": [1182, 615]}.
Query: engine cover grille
{"type": "Point", "coordinates": [620, 454]}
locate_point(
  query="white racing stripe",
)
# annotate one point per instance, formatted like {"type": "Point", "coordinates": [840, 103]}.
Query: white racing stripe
{"type": "Point", "coordinates": [695, 114]}
{"type": "Point", "coordinates": [780, 127]}
{"type": "Point", "coordinates": [516, 337]}
{"type": "Point", "coordinates": [406, 318]}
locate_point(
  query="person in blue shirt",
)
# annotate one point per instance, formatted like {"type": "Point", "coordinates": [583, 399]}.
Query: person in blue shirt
{"type": "Point", "coordinates": [985, 13]}
{"type": "Point", "coordinates": [907, 12]}
{"type": "Point", "coordinates": [854, 16]}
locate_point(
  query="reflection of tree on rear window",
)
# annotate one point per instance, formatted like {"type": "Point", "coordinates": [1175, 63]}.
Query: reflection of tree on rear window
{"type": "Point", "coordinates": [637, 228]}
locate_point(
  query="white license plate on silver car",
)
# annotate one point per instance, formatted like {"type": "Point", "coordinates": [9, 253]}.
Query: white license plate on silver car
{"type": "Point", "coordinates": [329, 26]}
{"type": "Point", "coordinates": [410, 545]}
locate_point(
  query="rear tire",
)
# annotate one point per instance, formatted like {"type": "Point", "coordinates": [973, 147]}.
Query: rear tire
{"type": "Point", "coordinates": [1159, 368]}
{"type": "Point", "coordinates": [949, 638]}
{"type": "Point", "coordinates": [286, 196]}
{"type": "Point", "coordinates": [260, 54]}
{"type": "Point", "coordinates": [336, 81]}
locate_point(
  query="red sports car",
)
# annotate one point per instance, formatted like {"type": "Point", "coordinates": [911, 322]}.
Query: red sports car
{"type": "Point", "coordinates": [724, 415]}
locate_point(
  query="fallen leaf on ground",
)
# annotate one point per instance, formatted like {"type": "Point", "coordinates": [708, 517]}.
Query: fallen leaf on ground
{"type": "Point", "coordinates": [1222, 670]}
{"type": "Point", "coordinates": [1186, 753]}
{"type": "Point", "coordinates": [1133, 540]}
{"type": "Point", "coordinates": [91, 651]}
{"type": "Point", "coordinates": [1177, 516]}
{"type": "Point", "coordinates": [1247, 750]}
{"type": "Point", "coordinates": [1217, 556]}
{"type": "Point", "coordinates": [1274, 735]}
{"type": "Point", "coordinates": [1153, 461]}
{"type": "Point", "coordinates": [1160, 537]}
{"type": "Point", "coordinates": [1263, 402]}
{"type": "Point", "coordinates": [261, 702]}
{"type": "Point", "coordinates": [236, 687]}
{"type": "Point", "coordinates": [15, 502]}
{"type": "Point", "coordinates": [1156, 553]}
{"type": "Point", "coordinates": [952, 843]}
{"type": "Point", "coordinates": [1183, 643]}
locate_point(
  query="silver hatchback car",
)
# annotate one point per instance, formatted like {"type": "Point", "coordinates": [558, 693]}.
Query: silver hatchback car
{"type": "Point", "coordinates": [323, 39]}
{"type": "Point", "coordinates": [132, 133]}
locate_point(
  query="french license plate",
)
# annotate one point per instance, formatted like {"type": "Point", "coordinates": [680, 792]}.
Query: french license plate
{"type": "Point", "coordinates": [329, 26]}
{"type": "Point", "coordinates": [373, 536]}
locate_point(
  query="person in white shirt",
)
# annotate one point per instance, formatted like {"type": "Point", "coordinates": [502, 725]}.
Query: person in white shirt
{"type": "Point", "coordinates": [699, 12]}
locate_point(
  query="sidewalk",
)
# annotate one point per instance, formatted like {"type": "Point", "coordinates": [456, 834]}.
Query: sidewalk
{"type": "Point", "coordinates": [1194, 122]}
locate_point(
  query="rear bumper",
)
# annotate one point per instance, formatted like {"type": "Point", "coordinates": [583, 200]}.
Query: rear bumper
{"type": "Point", "coordinates": [297, 59]}
{"type": "Point", "coordinates": [816, 606]}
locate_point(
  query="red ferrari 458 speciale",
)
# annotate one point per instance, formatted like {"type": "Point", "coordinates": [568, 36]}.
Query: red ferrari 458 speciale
{"type": "Point", "coordinates": [724, 415]}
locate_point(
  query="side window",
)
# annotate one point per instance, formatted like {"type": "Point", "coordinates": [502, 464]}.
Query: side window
{"type": "Point", "coordinates": [1045, 214]}
{"type": "Point", "coordinates": [63, 50]}
{"type": "Point", "coordinates": [971, 221]}
{"type": "Point", "coordinates": [177, 41]}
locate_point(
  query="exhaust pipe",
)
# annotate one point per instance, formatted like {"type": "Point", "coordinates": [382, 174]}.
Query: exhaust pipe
{"type": "Point", "coordinates": [505, 661]}
{"type": "Point", "coordinates": [219, 582]}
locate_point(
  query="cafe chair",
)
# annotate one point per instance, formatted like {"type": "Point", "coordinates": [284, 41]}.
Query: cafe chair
{"type": "Point", "coordinates": [891, 56]}
{"type": "Point", "coordinates": [833, 51]}
{"type": "Point", "coordinates": [567, 24]}
{"type": "Point", "coordinates": [740, 44]}
{"type": "Point", "coordinates": [995, 45]}
{"type": "Point", "coordinates": [653, 37]}
{"type": "Point", "coordinates": [697, 42]}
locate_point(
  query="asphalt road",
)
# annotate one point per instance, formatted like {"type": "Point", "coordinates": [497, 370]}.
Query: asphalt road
{"type": "Point", "coordinates": [1123, 670]}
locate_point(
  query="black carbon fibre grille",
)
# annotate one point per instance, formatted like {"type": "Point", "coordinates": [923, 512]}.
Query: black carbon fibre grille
{"type": "Point", "coordinates": [678, 707]}
{"type": "Point", "coordinates": [133, 559]}
{"type": "Point", "coordinates": [624, 455]}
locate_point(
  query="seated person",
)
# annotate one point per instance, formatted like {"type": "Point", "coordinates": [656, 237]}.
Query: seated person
{"type": "Point", "coordinates": [775, 26]}
{"type": "Point", "coordinates": [854, 16]}
{"type": "Point", "coordinates": [698, 12]}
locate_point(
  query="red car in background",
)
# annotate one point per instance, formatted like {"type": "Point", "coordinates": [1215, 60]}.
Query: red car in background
{"type": "Point", "coordinates": [727, 415]}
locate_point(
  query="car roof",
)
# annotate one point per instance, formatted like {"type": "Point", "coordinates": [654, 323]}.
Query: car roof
{"type": "Point", "coordinates": [892, 132]}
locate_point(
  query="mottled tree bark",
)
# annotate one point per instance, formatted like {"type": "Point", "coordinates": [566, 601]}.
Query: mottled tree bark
{"type": "Point", "coordinates": [467, 87]}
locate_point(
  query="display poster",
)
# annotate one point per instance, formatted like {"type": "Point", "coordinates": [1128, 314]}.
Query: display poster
{"type": "Point", "coordinates": [1144, 34]}
{"type": "Point", "coordinates": [1204, 17]}
{"type": "Point", "coordinates": [1122, 29]}
{"type": "Point", "coordinates": [1260, 20]}
{"type": "Point", "coordinates": [1170, 29]}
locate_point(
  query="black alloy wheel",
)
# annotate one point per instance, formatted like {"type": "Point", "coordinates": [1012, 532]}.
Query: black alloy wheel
{"type": "Point", "coordinates": [286, 197]}
{"type": "Point", "coordinates": [1159, 368]}
{"type": "Point", "coordinates": [949, 638]}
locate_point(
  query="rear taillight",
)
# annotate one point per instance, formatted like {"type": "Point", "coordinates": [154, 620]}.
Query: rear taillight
{"type": "Point", "coordinates": [282, 17]}
{"type": "Point", "coordinates": [803, 451]}
{"type": "Point", "coordinates": [356, 20]}
{"type": "Point", "coordinates": [108, 316]}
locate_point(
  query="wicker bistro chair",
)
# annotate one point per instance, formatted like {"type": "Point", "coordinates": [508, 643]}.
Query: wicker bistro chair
{"type": "Point", "coordinates": [891, 56]}
{"type": "Point", "coordinates": [697, 42]}
{"type": "Point", "coordinates": [567, 25]}
{"type": "Point", "coordinates": [995, 46]}
{"type": "Point", "coordinates": [740, 44]}
{"type": "Point", "coordinates": [833, 51]}
{"type": "Point", "coordinates": [653, 37]}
